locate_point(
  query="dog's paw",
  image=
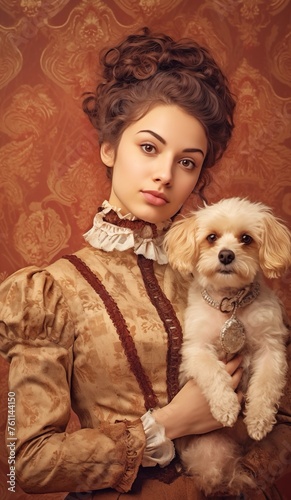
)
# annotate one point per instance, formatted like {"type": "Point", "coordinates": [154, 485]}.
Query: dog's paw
{"type": "Point", "coordinates": [259, 426]}
{"type": "Point", "coordinates": [257, 429]}
{"type": "Point", "coordinates": [226, 409]}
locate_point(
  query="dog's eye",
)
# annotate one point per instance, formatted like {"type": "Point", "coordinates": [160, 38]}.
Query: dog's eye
{"type": "Point", "coordinates": [211, 238]}
{"type": "Point", "coordinates": [246, 239]}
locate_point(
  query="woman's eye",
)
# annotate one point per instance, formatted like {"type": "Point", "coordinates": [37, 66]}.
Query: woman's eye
{"type": "Point", "coordinates": [246, 239]}
{"type": "Point", "coordinates": [188, 164]}
{"type": "Point", "coordinates": [148, 148]}
{"type": "Point", "coordinates": [211, 238]}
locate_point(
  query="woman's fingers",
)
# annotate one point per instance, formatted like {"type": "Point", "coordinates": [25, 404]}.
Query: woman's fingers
{"type": "Point", "coordinates": [233, 367]}
{"type": "Point", "coordinates": [236, 378]}
{"type": "Point", "coordinates": [233, 364]}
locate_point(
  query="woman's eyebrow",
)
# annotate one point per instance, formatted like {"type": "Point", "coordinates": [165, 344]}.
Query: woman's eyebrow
{"type": "Point", "coordinates": [194, 150]}
{"type": "Point", "coordinates": [159, 138]}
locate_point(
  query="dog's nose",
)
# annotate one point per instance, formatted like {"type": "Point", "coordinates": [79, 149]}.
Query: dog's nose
{"type": "Point", "coordinates": [226, 256]}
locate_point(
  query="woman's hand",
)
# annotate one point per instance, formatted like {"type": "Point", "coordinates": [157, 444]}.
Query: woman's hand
{"type": "Point", "coordinates": [189, 412]}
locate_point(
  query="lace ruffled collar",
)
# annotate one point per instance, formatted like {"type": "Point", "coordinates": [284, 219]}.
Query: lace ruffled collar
{"type": "Point", "coordinates": [113, 231]}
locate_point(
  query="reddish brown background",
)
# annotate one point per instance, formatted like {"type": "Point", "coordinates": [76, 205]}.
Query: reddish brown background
{"type": "Point", "coordinates": [51, 178]}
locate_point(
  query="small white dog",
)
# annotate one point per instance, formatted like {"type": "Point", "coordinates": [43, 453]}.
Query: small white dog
{"type": "Point", "coordinates": [227, 247]}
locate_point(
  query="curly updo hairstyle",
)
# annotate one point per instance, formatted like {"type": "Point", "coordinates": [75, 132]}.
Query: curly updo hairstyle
{"type": "Point", "coordinates": [148, 68]}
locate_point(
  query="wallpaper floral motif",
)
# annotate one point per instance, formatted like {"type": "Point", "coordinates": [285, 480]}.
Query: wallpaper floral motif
{"type": "Point", "coordinates": [51, 179]}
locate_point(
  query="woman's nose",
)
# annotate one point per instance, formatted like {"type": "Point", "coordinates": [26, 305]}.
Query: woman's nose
{"type": "Point", "coordinates": [164, 173]}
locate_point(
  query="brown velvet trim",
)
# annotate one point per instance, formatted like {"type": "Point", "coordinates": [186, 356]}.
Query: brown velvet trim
{"type": "Point", "coordinates": [135, 225]}
{"type": "Point", "coordinates": [150, 398]}
{"type": "Point", "coordinates": [170, 321]}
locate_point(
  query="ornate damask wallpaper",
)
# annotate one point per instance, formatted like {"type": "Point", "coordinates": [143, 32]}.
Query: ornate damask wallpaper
{"type": "Point", "coordinates": [51, 178]}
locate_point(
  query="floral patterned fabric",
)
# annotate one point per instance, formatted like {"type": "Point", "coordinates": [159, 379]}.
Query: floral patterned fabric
{"type": "Point", "coordinates": [60, 340]}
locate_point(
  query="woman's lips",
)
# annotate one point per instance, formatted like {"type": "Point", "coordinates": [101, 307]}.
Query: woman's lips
{"type": "Point", "coordinates": [155, 198]}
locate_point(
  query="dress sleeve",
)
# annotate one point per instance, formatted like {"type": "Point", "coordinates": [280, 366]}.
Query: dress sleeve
{"type": "Point", "coordinates": [36, 337]}
{"type": "Point", "coordinates": [270, 458]}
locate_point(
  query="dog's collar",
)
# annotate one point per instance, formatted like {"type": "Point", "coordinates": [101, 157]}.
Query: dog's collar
{"type": "Point", "coordinates": [243, 297]}
{"type": "Point", "coordinates": [232, 334]}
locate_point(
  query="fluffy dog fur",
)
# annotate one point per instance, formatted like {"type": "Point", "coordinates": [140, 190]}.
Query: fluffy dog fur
{"type": "Point", "coordinates": [261, 246]}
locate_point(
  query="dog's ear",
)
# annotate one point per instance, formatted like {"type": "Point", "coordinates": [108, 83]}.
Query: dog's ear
{"type": "Point", "coordinates": [275, 251]}
{"type": "Point", "coordinates": [181, 246]}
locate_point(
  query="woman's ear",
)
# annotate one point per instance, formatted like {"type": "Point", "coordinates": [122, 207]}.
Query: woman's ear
{"type": "Point", "coordinates": [107, 154]}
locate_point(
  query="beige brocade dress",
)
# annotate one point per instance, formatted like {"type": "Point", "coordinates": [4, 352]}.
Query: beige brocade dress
{"type": "Point", "coordinates": [67, 351]}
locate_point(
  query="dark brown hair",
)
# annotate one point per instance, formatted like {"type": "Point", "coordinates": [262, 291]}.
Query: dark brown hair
{"type": "Point", "coordinates": [151, 68]}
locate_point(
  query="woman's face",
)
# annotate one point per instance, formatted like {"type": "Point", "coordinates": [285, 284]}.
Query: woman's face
{"type": "Point", "coordinates": [157, 163]}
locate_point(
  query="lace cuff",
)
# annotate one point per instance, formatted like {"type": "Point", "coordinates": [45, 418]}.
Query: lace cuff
{"type": "Point", "coordinates": [159, 449]}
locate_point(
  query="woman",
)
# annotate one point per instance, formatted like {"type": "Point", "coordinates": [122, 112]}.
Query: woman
{"type": "Point", "coordinates": [100, 331]}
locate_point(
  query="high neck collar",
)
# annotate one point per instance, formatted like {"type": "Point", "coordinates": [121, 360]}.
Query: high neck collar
{"type": "Point", "coordinates": [113, 231]}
